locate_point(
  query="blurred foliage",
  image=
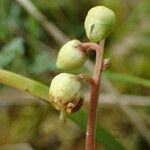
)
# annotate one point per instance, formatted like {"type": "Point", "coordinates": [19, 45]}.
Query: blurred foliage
{"type": "Point", "coordinates": [12, 51]}
{"type": "Point", "coordinates": [127, 79]}
{"type": "Point", "coordinates": [27, 48]}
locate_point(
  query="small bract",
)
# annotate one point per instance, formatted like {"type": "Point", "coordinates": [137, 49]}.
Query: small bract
{"type": "Point", "coordinates": [99, 23]}
{"type": "Point", "coordinates": [65, 92]}
{"type": "Point", "coordinates": [70, 56]}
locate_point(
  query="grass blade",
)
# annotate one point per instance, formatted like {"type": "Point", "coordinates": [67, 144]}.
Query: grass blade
{"type": "Point", "coordinates": [129, 79]}
{"type": "Point", "coordinates": [41, 91]}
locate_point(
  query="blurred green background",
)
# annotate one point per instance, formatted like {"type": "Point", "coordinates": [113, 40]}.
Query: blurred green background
{"type": "Point", "coordinates": [31, 33]}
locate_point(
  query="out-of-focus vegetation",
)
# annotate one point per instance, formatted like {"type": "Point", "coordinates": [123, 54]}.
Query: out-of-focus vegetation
{"type": "Point", "coordinates": [27, 48]}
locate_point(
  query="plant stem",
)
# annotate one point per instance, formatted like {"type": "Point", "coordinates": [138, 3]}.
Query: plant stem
{"type": "Point", "coordinates": [62, 117]}
{"type": "Point", "coordinates": [91, 125]}
{"type": "Point", "coordinates": [86, 77]}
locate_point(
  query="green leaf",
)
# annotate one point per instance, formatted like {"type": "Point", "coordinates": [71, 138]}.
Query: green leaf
{"type": "Point", "coordinates": [41, 91]}
{"type": "Point", "coordinates": [11, 51]}
{"type": "Point", "coordinates": [130, 79]}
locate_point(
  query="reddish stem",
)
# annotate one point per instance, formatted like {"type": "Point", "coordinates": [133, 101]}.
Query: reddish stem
{"type": "Point", "coordinates": [91, 125]}
{"type": "Point", "coordinates": [86, 78]}
{"type": "Point", "coordinates": [84, 47]}
{"type": "Point", "coordinates": [95, 83]}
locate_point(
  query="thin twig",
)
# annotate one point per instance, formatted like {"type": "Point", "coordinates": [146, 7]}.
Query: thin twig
{"type": "Point", "coordinates": [131, 113]}
{"type": "Point", "coordinates": [133, 100]}
{"type": "Point", "coordinates": [49, 26]}
{"type": "Point", "coordinates": [20, 98]}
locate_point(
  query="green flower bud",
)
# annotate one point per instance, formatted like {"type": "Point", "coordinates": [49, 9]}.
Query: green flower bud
{"type": "Point", "coordinates": [99, 23]}
{"type": "Point", "coordinates": [65, 93]}
{"type": "Point", "coordinates": [70, 56]}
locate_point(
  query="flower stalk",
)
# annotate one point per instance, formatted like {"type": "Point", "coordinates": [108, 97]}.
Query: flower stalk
{"type": "Point", "coordinates": [86, 78]}
{"type": "Point", "coordinates": [95, 84]}
{"type": "Point", "coordinates": [98, 24]}
{"type": "Point", "coordinates": [91, 125]}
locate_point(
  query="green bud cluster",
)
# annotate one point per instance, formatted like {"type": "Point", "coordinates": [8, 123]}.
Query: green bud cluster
{"type": "Point", "coordinates": [65, 91]}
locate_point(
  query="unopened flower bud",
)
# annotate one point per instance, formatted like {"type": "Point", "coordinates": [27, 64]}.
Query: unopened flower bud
{"type": "Point", "coordinates": [106, 64]}
{"type": "Point", "coordinates": [65, 93]}
{"type": "Point", "coordinates": [99, 23]}
{"type": "Point", "coordinates": [70, 56]}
